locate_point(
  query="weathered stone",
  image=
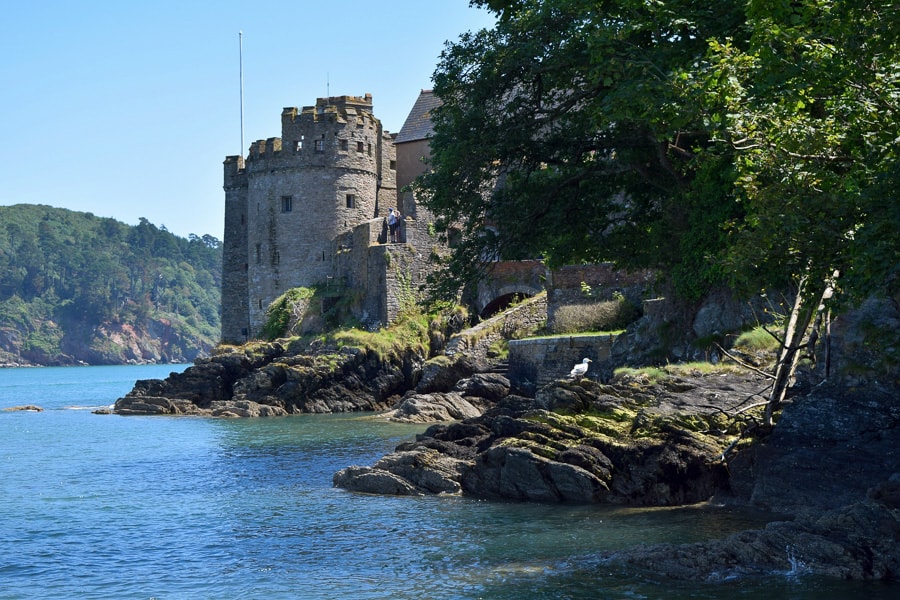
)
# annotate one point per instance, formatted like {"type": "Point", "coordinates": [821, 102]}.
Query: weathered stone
{"type": "Point", "coordinates": [429, 408]}
{"type": "Point", "coordinates": [440, 374]}
{"type": "Point", "coordinates": [519, 474]}
{"type": "Point", "coordinates": [426, 469]}
{"type": "Point", "coordinates": [373, 481]}
{"type": "Point", "coordinates": [832, 445]}
{"type": "Point", "coordinates": [490, 386]}
{"type": "Point", "coordinates": [346, 380]}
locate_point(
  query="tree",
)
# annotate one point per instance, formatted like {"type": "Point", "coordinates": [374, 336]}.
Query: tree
{"type": "Point", "coordinates": [569, 123]}
{"type": "Point", "coordinates": [748, 143]}
{"type": "Point", "coordinates": [810, 108]}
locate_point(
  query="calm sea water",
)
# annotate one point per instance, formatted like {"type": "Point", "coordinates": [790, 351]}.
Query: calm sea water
{"type": "Point", "coordinates": [102, 506]}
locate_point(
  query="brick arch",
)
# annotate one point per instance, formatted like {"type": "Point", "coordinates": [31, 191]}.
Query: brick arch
{"type": "Point", "coordinates": [505, 281]}
{"type": "Point", "coordinates": [504, 300]}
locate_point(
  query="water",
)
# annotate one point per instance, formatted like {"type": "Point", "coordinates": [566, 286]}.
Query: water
{"type": "Point", "coordinates": [102, 506]}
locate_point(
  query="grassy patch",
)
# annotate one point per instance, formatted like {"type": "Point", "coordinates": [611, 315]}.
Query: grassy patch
{"type": "Point", "coordinates": [757, 340]}
{"type": "Point", "coordinates": [652, 375]}
{"type": "Point", "coordinates": [595, 316]}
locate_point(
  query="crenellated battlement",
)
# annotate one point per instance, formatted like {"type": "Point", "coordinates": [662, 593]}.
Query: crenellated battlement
{"type": "Point", "coordinates": [235, 174]}
{"type": "Point", "coordinates": [295, 198]}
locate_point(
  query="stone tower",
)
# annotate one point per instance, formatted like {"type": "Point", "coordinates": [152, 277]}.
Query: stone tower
{"type": "Point", "coordinates": [291, 208]}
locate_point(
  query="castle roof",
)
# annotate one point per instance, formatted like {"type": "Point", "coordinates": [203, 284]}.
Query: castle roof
{"type": "Point", "coordinates": [418, 124]}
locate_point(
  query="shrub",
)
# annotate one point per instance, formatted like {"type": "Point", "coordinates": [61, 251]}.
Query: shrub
{"type": "Point", "coordinates": [286, 312]}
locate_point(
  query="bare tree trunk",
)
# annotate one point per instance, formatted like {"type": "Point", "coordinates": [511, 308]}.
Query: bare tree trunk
{"type": "Point", "coordinates": [802, 313]}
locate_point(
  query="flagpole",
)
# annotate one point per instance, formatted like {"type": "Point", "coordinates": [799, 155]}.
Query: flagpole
{"type": "Point", "coordinates": [241, 57]}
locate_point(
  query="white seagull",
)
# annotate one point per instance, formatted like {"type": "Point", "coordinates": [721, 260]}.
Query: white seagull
{"type": "Point", "coordinates": [580, 369]}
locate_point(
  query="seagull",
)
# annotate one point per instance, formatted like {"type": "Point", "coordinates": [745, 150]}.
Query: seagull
{"type": "Point", "coordinates": [580, 369]}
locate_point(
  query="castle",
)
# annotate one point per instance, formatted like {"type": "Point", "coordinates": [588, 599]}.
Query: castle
{"type": "Point", "coordinates": [309, 208]}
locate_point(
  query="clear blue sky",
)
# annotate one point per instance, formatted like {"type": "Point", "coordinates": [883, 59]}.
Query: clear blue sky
{"type": "Point", "coordinates": [127, 108]}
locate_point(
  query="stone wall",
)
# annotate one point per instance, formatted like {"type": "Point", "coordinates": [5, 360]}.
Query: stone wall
{"type": "Point", "coordinates": [524, 319]}
{"type": "Point", "coordinates": [536, 362]}
{"type": "Point", "coordinates": [235, 290]}
{"type": "Point", "coordinates": [564, 286]}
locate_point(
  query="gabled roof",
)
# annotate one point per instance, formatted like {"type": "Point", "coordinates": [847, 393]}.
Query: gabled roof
{"type": "Point", "coordinates": [418, 124]}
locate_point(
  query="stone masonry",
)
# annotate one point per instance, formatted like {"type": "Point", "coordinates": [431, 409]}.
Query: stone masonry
{"type": "Point", "coordinates": [299, 205]}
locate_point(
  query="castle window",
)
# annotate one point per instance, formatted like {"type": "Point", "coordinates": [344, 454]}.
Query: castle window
{"type": "Point", "coordinates": [320, 145]}
{"type": "Point", "coordinates": [287, 204]}
{"type": "Point", "coordinates": [260, 304]}
{"type": "Point", "coordinates": [258, 253]}
{"type": "Point", "coordinates": [370, 149]}
{"type": "Point", "coordinates": [351, 201]}
{"type": "Point", "coordinates": [393, 165]}
{"type": "Point", "coordinates": [298, 145]}
{"type": "Point", "coordinates": [345, 145]}
{"type": "Point", "coordinates": [360, 146]}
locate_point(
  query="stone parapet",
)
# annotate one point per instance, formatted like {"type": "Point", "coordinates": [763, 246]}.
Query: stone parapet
{"type": "Point", "coordinates": [535, 362]}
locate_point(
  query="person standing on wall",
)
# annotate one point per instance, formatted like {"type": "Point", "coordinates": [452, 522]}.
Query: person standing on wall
{"type": "Point", "coordinates": [392, 224]}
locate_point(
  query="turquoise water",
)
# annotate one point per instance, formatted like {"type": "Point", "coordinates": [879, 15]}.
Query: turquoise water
{"type": "Point", "coordinates": [102, 506]}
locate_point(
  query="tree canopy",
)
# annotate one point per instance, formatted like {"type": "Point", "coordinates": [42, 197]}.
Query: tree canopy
{"type": "Point", "coordinates": [718, 142]}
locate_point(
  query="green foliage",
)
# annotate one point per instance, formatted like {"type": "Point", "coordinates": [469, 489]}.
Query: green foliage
{"type": "Point", "coordinates": [757, 340]}
{"type": "Point", "coordinates": [750, 143]}
{"type": "Point", "coordinates": [583, 118]}
{"type": "Point", "coordinates": [78, 271]}
{"type": "Point", "coordinates": [409, 332]}
{"type": "Point", "coordinates": [656, 375]}
{"type": "Point", "coordinates": [286, 311]}
{"type": "Point", "coordinates": [499, 349]}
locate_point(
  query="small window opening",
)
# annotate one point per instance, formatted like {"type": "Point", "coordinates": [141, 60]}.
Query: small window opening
{"type": "Point", "coordinates": [320, 145]}
{"type": "Point", "coordinates": [360, 146]}
{"type": "Point", "coordinates": [351, 201]}
{"type": "Point", "coordinates": [287, 204]}
{"type": "Point", "coordinates": [345, 145]}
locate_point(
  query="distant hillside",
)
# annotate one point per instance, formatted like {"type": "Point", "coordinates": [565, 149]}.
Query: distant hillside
{"type": "Point", "coordinates": [76, 288]}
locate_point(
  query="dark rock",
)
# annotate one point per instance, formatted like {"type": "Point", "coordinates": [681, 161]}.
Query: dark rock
{"type": "Point", "coordinates": [441, 374]}
{"type": "Point", "coordinates": [832, 446]}
{"type": "Point", "coordinates": [269, 374]}
{"type": "Point", "coordinates": [520, 451]}
{"type": "Point", "coordinates": [519, 474]}
{"type": "Point", "coordinates": [490, 386]}
{"type": "Point", "coordinates": [858, 541]}
{"type": "Point", "coordinates": [429, 408]}
{"type": "Point", "coordinates": [418, 471]}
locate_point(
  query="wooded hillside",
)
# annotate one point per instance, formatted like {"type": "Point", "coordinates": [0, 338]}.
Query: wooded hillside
{"type": "Point", "coordinates": [76, 288]}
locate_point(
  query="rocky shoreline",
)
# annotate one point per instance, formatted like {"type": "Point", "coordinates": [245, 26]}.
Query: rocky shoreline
{"type": "Point", "coordinates": [830, 468]}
